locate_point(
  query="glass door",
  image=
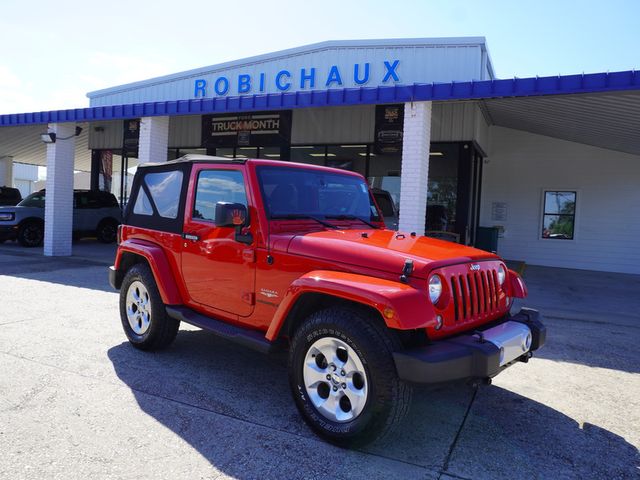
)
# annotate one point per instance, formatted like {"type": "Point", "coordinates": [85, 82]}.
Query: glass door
{"type": "Point", "coordinates": [453, 199]}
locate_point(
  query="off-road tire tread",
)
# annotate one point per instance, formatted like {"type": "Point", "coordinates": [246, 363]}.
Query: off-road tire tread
{"type": "Point", "coordinates": [163, 329]}
{"type": "Point", "coordinates": [372, 335]}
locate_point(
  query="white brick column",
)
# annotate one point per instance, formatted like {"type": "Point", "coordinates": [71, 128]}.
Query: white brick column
{"type": "Point", "coordinates": [6, 171]}
{"type": "Point", "coordinates": [154, 139]}
{"type": "Point", "coordinates": [415, 166]}
{"type": "Point", "coordinates": [58, 206]}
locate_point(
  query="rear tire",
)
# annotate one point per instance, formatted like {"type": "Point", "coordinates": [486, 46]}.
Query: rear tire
{"type": "Point", "coordinates": [107, 231]}
{"type": "Point", "coordinates": [31, 234]}
{"type": "Point", "coordinates": [142, 312]}
{"type": "Point", "coordinates": [360, 400]}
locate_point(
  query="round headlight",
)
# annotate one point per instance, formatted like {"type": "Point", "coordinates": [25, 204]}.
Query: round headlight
{"type": "Point", "coordinates": [502, 274]}
{"type": "Point", "coordinates": [435, 288]}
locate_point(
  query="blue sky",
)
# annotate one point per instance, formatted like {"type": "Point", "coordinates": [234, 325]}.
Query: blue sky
{"type": "Point", "coordinates": [52, 53]}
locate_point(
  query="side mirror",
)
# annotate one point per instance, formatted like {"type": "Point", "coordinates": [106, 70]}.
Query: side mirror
{"type": "Point", "coordinates": [233, 215]}
{"type": "Point", "coordinates": [230, 214]}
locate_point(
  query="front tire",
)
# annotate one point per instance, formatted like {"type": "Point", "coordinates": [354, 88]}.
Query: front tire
{"type": "Point", "coordinates": [142, 312]}
{"type": "Point", "coordinates": [31, 234]}
{"type": "Point", "coordinates": [343, 377]}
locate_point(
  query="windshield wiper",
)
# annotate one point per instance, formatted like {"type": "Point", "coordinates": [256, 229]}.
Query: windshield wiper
{"type": "Point", "coordinates": [351, 217]}
{"type": "Point", "coordinates": [295, 216]}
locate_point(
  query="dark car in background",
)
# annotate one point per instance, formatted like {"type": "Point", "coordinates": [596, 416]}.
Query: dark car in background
{"type": "Point", "coordinates": [9, 196]}
{"type": "Point", "coordinates": [387, 206]}
{"type": "Point", "coordinates": [95, 213]}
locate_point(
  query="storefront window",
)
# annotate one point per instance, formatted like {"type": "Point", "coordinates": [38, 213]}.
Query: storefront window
{"type": "Point", "coordinates": [225, 152]}
{"type": "Point", "coordinates": [384, 174]}
{"type": "Point", "coordinates": [559, 214]}
{"type": "Point", "coordinates": [313, 155]}
{"type": "Point", "coordinates": [187, 151]}
{"type": "Point", "coordinates": [269, 153]}
{"type": "Point", "coordinates": [348, 157]}
{"type": "Point", "coordinates": [442, 189]}
{"type": "Point", "coordinates": [246, 152]}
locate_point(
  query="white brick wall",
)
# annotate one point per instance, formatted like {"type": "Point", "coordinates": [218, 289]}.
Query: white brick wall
{"type": "Point", "coordinates": [154, 139]}
{"type": "Point", "coordinates": [415, 166]}
{"type": "Point", "coordinates": [58, 212]}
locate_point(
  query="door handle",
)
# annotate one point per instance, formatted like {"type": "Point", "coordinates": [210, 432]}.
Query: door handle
{"type": "Point", "coordinates": [190, 236]}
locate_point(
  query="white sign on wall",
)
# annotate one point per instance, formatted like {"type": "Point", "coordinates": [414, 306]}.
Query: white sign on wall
{"type": "Point", "coordinates": [499, 211]}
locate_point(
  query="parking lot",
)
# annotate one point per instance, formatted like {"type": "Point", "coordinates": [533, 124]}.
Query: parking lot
{"type": "Point", "coordinates": [76, 401]}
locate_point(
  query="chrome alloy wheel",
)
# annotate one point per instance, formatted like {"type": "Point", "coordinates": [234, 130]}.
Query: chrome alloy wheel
{"type": "Point", "coordinates": [138, 307]}
{"type": "Point", "coordinates": [335, 380]}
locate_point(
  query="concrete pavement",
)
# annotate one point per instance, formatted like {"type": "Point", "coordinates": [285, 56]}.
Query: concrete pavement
{"type": "Point", "coordinates": [77, 401]}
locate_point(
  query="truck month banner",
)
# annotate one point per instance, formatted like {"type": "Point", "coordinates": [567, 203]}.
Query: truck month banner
{"type": "Point", "coordinates": [254, 129]}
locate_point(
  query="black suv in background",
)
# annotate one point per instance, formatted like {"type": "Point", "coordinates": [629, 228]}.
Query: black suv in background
{"type": "Point", "coordinates": [9, 196]}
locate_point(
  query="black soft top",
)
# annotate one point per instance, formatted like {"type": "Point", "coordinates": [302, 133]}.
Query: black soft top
{"type": "Point", "coordinates": [192, 158]}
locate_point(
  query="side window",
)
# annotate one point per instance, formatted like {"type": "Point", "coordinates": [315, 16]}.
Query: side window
{"type": "Point", "coordinates": [559, 215]}
{"type": "Point", "coordinates": [142, 205]}
{"type": "Point", "coordinates": [217, 186]}
{"type": "Point", "coordinates": [165, 189]}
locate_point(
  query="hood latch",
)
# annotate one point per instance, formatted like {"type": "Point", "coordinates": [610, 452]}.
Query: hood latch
{"type": "Point", "coordinates": [406, 270]}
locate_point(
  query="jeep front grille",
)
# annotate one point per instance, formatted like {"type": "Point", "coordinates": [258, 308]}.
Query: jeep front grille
{"type": "Point", "coordinates": [475, 294]}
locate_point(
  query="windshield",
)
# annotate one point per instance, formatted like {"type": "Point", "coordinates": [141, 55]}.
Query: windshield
{"type": "Point", "coordinates": [34, 200]}
{"type": "Point", "coordinates": [300, 192]}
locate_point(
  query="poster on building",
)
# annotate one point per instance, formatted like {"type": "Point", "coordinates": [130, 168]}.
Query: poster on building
{"type": "Point", "coordinates": [265, 129]}
{"type": "Point", "coordinates": [388, 129]}
{"type": "Point", "coordinates": [106, 169]}
{"type": "Point", "coordinates": [131, 137]}
{"type": "Point", "coordinates": [499, 211]}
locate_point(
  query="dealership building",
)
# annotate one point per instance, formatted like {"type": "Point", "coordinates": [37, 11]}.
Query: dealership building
{"type": "Point", "coordinates": [548, 165]}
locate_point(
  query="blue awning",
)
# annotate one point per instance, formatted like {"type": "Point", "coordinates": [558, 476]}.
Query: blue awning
{"type": "Point", "coordinates": [486, 89]}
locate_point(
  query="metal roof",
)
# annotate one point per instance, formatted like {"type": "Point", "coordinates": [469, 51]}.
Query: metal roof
{"type": "Point", "coordinates": [517, 87]}
{"type": "Point", "coordinates": [305, 49]}
{"type": "Point", "coordinates": [607, 120]}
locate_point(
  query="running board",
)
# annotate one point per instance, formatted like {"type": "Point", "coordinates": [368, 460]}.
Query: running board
{"type": "Point", "coordinates": [243, 336]}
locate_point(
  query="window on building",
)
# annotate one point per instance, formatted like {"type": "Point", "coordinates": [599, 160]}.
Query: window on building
{"type": "Point", "coordinates": [559, 215]}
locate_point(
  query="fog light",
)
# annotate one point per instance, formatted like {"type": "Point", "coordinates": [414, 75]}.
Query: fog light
{"type": "Point", "coordinates": [501, 355]}
{"type": "Point", "coordinates": [438, 322]}
{"type": "Point", "coordinates": [526, 345]}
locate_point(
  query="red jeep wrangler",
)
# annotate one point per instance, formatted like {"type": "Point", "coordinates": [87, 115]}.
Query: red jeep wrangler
{"type": "Point", "coordinates": [279, 255]}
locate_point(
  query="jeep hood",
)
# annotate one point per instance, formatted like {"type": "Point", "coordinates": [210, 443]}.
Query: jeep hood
{"type": "Point", "coordinates": [384, 250]}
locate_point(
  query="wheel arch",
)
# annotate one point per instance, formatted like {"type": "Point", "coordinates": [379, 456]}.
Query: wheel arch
{"type": "Point", "coordinates": [30, 219]}
{"type": "Point", "coordinates": [311, 302]}
{"type": "Point", "coordinates": [131, 253]}
{"type": "Point", "coordinates": [400, 306]}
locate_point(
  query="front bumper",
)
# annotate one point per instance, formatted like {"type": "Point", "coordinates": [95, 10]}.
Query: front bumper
{"type": "Point", "coordinates": [481, 354]}
{"type": "Point", "coordinates": [115, 279]}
